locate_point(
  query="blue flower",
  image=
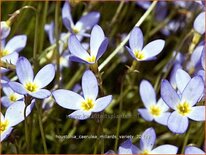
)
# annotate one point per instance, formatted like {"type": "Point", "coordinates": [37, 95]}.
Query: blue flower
{"type": "Point", "coordinates": [9, 52]}
{"type": "Point", "coordinates": [199, 23]}
{"type": "Point", "coordinates": [136, 49]}
{"type": "Point", "coordinates": [154, 110]}
{"type": "Point", "coordinates": [11, 96]}
{"type": "Point", "coordinates": [85, 23]}
{"type": "Point", "coordinates": [29, 84]}
{"type": "Point", "coordinates": [98, 45]}
{"type": "Point", "coordinates": [183, 104]}
{"type": "Point", "coordinates": [85, 105]}
{"type": "Point", "coordinates": [147, 142]}
{"type": "Point", "coordinates": [13, 116]}
{"type": "Point", "coordinates": [193, 150]}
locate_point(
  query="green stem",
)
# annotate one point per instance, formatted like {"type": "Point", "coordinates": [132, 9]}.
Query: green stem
{"type": "Point", "coordinates": [114, 19]}
{"type": "Point", "coordinates": [35, 63]}
{"type": "Point", "coordinates": [26, 125]}
{"type": "Point", "coordinates": [41, 40]}
{"type": "Point", "coordinates": [119, 118]}
{"type": "Point", "coordinates": [38, 107]}
{"type": "Point", "coordinates": [121, 45]}
{"type": "Point", "coordinates": [57, 9]}
{"type": "Point", "coordinates": [186, 138]}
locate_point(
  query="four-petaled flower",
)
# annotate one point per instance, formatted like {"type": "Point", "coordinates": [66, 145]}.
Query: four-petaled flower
{"type": "Point", "coordinates": [98, 45]}
{"type": "Point", "coordinates": [32, 85]}
{"type": "Point", "coordinates": [154, 110]}
{"type": "Point", "coordinates": [85, 23]}
{"type": "Point", "coordinates": [9, 52]}
{"type": "Point", "coordinates": [147, 142]}
{"type": "Point", "coordinates": [136, 49]}
{"type": "Point", "coordinates": [11, 96]}
{"type": "Point", "coordinates": [13, 116]}
{"type": "Point", "coordinates": [84, 106]}
{"type": "Point", "coordinates": [183, 104]}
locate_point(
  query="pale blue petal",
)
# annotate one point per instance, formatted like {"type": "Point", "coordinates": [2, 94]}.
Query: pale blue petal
{"type": "Point", "coordinates": [7, 90]}
{"type": "Point", "coordinates": [148, 139]}
{"type": "Point", "coordinates": [24, 70]}
{"type": "Point", "coordinates": [6, 133]}
{"type": "Point", "coordinates": [18, 88]}
{"type": "Point", "coordinates": [196, 55]}
{"type": "Point", "coordinates": [177, 123]}
{"type": "Point", "coordinates": [163, 105]}
{"type": "Point", "coordinates": [96, 39]}
{"type": "Point", "coordinates": [193, 150]}
{"type": "Point", "coordinates": [102, 103]}
{"type": "Point", "coordinates": [15, 113]}
{"type": "Point", "coordinates": [197, 113]}
{"type": "Point", "coordinates": [5, 101]}
{"type": "Point", "coordinates": [66, 14]}
{"type": "Point", "coordinates": [68, 99]}
{"type": "Point", "coordinates": [199, 23]}
{"type": "Point", "coordinates": [163, 119]}
{"type": "Point", "coordinates": [202, 74]}
{"type": "Point", "coordinates": [89, 85]}
{"type": "Point", "coordinates": [88, 21]}
{"type": "Point", "coordinates": [193, 90]}
{"type": "Point", "coordinates": [136, 39]}
{"type": "Point", "coordinates": [182, 79]}
{"type": "Point", "coordinates": [4, 30]}
{"type": "Point", "coordinates": [40, 94]}
{"type": "Point", "coordinates": [145, 114]}
{"type": "Point", "coordinates": [172, 80]}
{"type": "Point", "coordinates": [127, 148]}
{"type": "Point", "coordinates": [16, 44]}
{"type": "Point", "coordinates": [203, 58]}
{"type": "Point", "coordinates": [76, 48]}
{"type": "Point", "coordinates": [153, 48]}
{"type": "Point", "coordinates": [131, 52]}
{"type": "Point", "coordinates": [80, 115]}
{"type": "Point", "coordinates": [49, 28]}
{"type": "Point", "coordinates": [165, 149]}
{"type": "Point", "coordinates": [77, 59]}
{"type": "Point", "coordinates": [147, 93]}
{"type": "Point", "coordinates": [102, 48]}
{"type": "Point", "coordinates": [11, 58]}
{"type": "Point", "coordinates": [45, 76]}
{"type": "Point", "coordinates": [169, 95]}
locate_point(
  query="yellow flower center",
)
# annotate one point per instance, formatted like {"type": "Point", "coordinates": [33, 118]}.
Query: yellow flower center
{"type": "Point", "coordinates": [145, 152]}
{"type": "Point", "coordinates": [184, 108]}
{"type": "Point", "coordinates": [75, 30]}
{"type": "Point", "coordinates": [4, 53]}
{"type": "Point", "coordinates": [13, 97]}
{"type": "Point", "coordinates": [91, 59]}
{"type": "Point", "coordinates": [3, 126]}
{"type": "Point", "coordinates": [87, 105]}
{"type": "Point", "coordinates": [30, 86]}
{"type": "Point", "coordinates": [155, 110]}
{"type": "Point", "coordinates": [139, 54]}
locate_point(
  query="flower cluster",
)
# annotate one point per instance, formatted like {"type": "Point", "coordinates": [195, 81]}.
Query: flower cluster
{"type": "Point", "coordinates": [165, 83]}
